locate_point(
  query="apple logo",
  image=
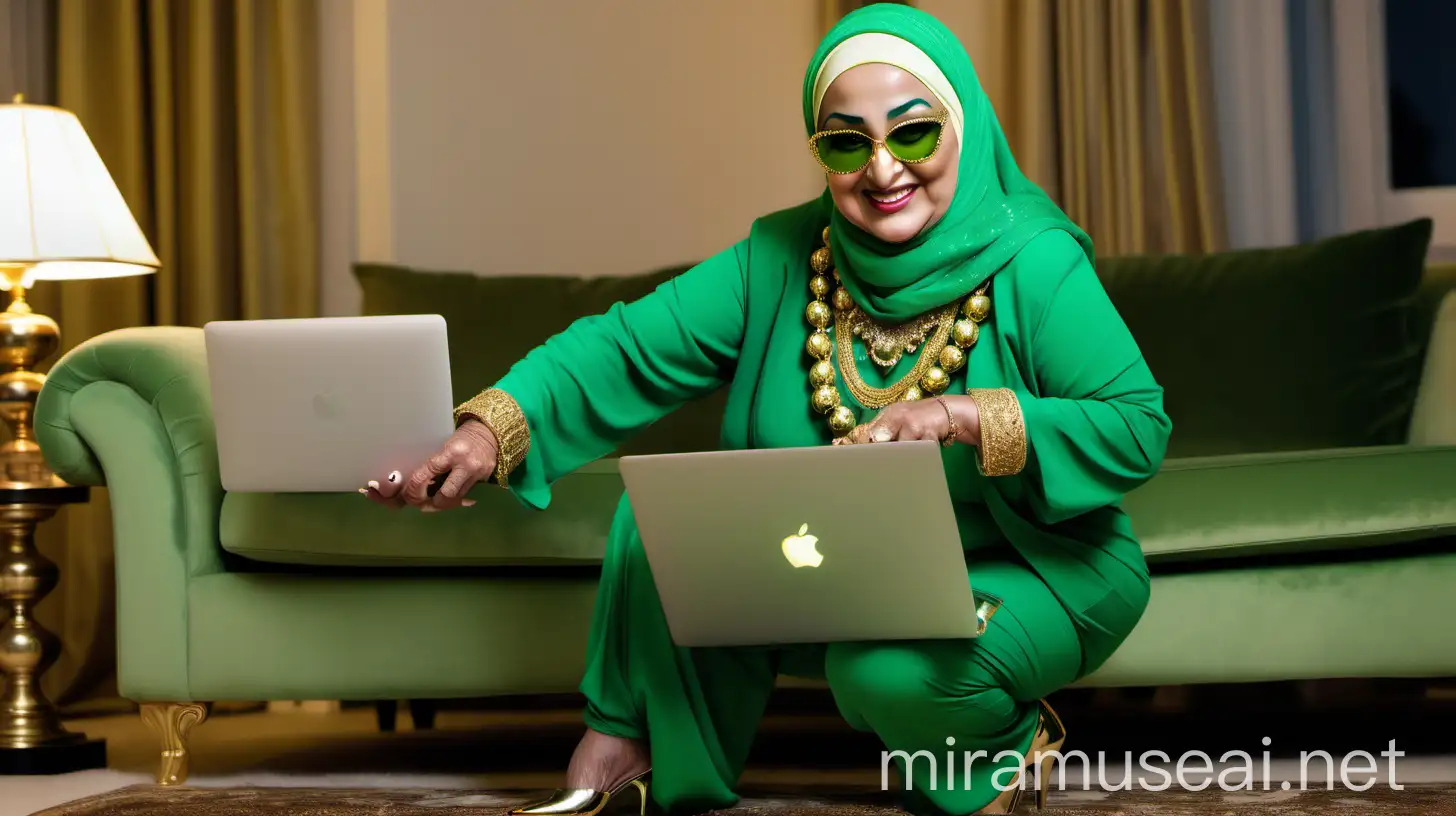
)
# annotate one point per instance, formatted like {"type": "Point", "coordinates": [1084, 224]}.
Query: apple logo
{"type": "Point", "coordinates": [800, 549]}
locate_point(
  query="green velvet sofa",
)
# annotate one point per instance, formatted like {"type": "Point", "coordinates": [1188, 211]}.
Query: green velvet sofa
{"type": "Point", "coordinates": [1304, 525]}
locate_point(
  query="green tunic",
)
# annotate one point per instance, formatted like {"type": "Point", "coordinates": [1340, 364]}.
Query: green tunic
{"type": "Point", "coordinates": [1095, 429]}
{"type": "Point", "coordinates": [1050, 542]}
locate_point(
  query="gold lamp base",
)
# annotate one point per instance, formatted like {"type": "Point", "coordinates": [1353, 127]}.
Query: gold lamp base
{"type": "Point", "coordinates": [32, 738]}
{"type": "Point", "coordinates": [26, 340]}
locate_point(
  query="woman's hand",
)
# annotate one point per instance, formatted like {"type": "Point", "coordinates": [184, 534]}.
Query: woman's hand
{"type": "Point", "coordinates": [925, 419]}
{"type": "Point", "coordinates": [468, 457]}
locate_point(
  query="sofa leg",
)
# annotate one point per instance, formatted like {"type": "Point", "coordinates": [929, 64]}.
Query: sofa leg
{"type": "Point", "coordinates": [385, 713]}
{"type": "Point", "coordinates": [422, 712]}
{"type": "Point", "coordinates": [173, 722]}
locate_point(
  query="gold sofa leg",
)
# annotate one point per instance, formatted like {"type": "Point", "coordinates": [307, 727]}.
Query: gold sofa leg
{"type": "Point", "coordinates": [173, 722]}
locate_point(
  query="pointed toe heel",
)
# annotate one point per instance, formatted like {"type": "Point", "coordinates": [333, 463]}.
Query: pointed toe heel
{"type": "Point", "coordinates": [1051, 735]}
{"type": "Point", "coordinates": [586, 801]}
{"type": "Point", "coordinates": [1045, 743]}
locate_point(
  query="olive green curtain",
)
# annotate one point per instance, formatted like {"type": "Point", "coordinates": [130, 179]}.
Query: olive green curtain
{"type": "Point", "coordinates": [205, 113]}
{"type": "Point", "coordinates": [1108, 105]}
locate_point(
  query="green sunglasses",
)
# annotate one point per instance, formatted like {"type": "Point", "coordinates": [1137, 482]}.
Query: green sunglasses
{"type": "Point", "coordinates": [849, 151]}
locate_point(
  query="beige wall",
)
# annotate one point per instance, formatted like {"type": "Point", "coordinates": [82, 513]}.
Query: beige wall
{"type": "Point", "coordinates": [557, 137]}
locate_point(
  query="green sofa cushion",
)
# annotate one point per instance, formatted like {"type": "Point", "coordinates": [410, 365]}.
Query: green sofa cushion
{"type": "Point", "coordinates": [495, 321]}
{"type": "Point", "coordinates": [346, 530]}
{"type": "Point", "coordinates": [1281, 504]}
{"type": "Point", "coordinates": [293, 637]}
{"type": "Point", "coordinates": [1220, 507]}
{"type": "Point", "coordinates": [1287, 348]}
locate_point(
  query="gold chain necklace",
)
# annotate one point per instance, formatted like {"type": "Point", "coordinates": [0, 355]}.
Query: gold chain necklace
{"type": "Point", "coordinates": [886, 344]}
{"type": "Point", "coordinates": [942, 355]}
{"type": "Point", "coordinates": [871, 397]}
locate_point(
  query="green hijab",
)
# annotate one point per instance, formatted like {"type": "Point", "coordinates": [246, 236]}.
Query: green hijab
{"type": "Point", "coordinates": [996, 209]}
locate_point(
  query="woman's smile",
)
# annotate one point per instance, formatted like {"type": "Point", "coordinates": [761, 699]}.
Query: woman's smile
{"type": "Point", "coordinates": [892, 200]}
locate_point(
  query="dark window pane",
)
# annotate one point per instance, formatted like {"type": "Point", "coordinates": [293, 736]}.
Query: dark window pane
{"type": "Point", "coordinates": [1421, 85]}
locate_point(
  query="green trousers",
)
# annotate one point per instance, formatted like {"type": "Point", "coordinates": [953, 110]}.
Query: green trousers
{"type": "Point", "coordinates": [699, 709]}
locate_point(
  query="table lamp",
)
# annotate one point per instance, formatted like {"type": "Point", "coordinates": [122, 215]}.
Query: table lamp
{"type": "Point", "coordinates": [61, 218]}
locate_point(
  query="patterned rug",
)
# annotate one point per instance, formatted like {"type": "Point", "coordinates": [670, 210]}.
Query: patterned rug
{"type": "Point", "coordinates": [145, 800]}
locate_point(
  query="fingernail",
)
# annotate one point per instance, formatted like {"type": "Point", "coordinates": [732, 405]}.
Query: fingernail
{"type": "Point", "coordinates": [467, 502]}
{"type": "Point", "coordinates": [393, 477]}
{"type": "Point", "coordinates": [365, 490]}
{"type": "Point", "coordinates": [429, 508]}
{"type": "Point", "coordinates": [882, 435]}
{"type": "Point", "coordinates": [374, 484]}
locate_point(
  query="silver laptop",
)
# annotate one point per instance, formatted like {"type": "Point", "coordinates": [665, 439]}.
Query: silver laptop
{"type": "Point", "coordinates": [803, 545]}
{"type": "Point", "coordinates": [326, 404]}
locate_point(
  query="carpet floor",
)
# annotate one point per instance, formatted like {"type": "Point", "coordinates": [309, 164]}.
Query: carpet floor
{"type": "Point", "coordinates": [1432, 800]}
{"type": "Point", "coordinates": [482, 760]}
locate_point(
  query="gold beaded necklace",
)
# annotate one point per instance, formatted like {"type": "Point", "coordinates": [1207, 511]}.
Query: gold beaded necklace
{"type": "Point", "coordinates": [943, 352]}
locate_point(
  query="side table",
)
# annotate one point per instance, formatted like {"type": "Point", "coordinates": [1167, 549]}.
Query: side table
{"type": "Point", "coordinates": [32, 738]}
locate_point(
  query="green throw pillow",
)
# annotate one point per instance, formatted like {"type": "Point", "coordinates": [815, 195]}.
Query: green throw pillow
{"type": "Point", "coordinates": [1288, 348]}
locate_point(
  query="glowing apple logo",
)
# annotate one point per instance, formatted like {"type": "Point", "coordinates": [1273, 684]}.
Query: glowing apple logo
{"type": "Point", "coordinates": [801, 549]}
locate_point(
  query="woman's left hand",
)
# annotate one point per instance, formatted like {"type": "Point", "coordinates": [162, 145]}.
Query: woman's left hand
{"type": "Point", "coordinates": [924, 419]}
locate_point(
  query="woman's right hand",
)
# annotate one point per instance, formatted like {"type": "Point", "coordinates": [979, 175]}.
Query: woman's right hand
{"type": "Point", "coordinates": [467, 458]}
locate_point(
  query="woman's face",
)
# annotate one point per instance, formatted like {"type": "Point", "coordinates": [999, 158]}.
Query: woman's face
{"type": "Point", "coordinates": [889, 199]}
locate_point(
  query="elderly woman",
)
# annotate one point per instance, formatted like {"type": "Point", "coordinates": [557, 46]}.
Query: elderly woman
{"type": "Point", "coordinates": [931, 293]}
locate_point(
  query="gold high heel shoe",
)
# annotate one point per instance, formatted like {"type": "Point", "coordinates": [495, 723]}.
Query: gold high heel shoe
{"type": "Point", "coordinates": [1049, 738]}
{"type": "Point", "coordinates": [585, 801]}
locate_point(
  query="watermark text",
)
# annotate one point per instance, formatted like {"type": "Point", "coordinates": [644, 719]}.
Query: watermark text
{"type": "Point", "coordinates": [1151, 770]}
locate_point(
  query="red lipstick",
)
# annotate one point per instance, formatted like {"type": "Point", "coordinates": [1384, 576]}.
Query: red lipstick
{"type": "Point", "coordinates": [892, 200]}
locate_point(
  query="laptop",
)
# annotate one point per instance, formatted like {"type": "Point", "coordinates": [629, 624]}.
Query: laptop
{"type": "Point", "coordinates": [803, 545]}
{"type": "Point", "coordinates": [327, 404]}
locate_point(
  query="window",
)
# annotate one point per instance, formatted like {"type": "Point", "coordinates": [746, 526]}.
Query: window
{"type": "Point", "coordinates": [1420, 68]}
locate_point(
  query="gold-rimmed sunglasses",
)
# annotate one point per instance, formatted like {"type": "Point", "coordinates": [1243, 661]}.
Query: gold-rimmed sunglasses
{"type": "Point", "coordinates": [849, 151]}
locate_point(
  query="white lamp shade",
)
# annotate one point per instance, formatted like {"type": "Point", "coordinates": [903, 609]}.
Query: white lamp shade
{"type": "Point", "coordinates": [60, 211]}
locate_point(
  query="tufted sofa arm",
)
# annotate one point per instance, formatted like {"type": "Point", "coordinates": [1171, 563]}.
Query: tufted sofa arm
{"type": "Point", "coordinates": [166, 367]}
{"type": "Point", "coordinates": [131, 410]}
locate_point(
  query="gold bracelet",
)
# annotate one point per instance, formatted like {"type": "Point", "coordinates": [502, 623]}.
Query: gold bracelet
{"type": "Point", "coordinates": [499, 412]}
{"type": "Point", "coordinates": [955, 430]}
{"type": "Point", "coordinates": [1002, 451]}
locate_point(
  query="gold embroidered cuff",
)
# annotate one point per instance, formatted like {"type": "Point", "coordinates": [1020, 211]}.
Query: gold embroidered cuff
{"type": "Point", "coordinates": [1002, 451]}
{"type": "Point", "coordinates": [499, 411]}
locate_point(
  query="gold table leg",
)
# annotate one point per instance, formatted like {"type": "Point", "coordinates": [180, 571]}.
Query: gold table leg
{"type": "Point", "coordinates": [32, 738]}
